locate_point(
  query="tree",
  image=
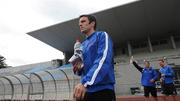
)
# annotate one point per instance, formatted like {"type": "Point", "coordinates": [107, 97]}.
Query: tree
{"type": "Point", "coordinates": [2, 62]}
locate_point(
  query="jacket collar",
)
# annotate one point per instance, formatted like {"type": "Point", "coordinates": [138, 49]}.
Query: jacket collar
{"type": "Point", "coordinates": [90, 35]}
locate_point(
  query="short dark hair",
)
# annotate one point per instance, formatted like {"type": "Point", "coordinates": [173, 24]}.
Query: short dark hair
{"type": "Point", "coordinates": [91, 18]}
{"type": "Point", "coordinates": [162, 60]}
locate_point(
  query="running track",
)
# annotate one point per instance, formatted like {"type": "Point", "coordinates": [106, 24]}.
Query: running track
{"type": "Point", "coordinates": [142, 98]}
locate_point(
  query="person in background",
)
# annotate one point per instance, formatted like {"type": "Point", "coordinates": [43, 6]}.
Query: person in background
{"type": "Point", "coordinates": [148, 78]}
{"type": "Point", "coordinates": [167, 80]}
{"type": "Point", "coordinates": [97, 76]}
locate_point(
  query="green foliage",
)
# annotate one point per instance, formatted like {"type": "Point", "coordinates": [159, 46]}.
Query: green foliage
{"type": "Point", "coordinates": [2, 62]}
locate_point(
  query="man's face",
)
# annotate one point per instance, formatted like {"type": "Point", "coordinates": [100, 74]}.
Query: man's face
{"type": "Point", "coordinates": [161, 64]}
{"type": "Point", "coordinates": [146, 64]}
{"type": "Point", "coordinates": [84, 25]}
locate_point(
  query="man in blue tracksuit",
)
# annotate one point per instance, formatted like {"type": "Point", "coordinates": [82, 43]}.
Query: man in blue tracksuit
{"type": "Point", "coordinates": [97, 75]}
{"type": "Point", "coordinates": [148, 78]}
{"type": "Point", "coordinates": [167, 82]}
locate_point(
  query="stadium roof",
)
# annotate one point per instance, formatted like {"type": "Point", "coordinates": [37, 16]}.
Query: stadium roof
{"type": "Point", "coordinates": [134, 21]}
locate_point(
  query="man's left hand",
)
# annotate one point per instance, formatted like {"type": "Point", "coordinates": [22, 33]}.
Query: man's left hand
{"type": "Point", "coordinates": [79, 92]}
{"type": "Point", "coordinates": [152, 80]}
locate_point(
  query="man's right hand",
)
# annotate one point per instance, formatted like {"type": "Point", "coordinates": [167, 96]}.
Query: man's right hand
{"type": "Point", "coordinates": [77, 65]}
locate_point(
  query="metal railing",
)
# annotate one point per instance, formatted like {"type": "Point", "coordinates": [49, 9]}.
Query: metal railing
{"type": "Point", "coordinates": [56, 84]}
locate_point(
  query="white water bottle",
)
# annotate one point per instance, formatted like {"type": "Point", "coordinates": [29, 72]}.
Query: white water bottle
{"type": "Point", "coordinates": [78, 48]}
{"type": "Point", "coordinates": [77, 52]}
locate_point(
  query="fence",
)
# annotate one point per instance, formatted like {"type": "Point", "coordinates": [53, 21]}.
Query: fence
{"type": "Point", "coordinates": [56, 84]}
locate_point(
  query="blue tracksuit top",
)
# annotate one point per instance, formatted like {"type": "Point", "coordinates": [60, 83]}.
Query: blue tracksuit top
{"type": "Point", "coordinates": [98, 71]}
{"type": "Point", "coordinates": [169, 74]}
{"type": "Point", "coordinates": [147, 75]}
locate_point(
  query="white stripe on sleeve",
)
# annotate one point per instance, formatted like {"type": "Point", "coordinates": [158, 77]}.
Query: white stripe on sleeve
{"type": "Point", "coordinates": [100, 63]}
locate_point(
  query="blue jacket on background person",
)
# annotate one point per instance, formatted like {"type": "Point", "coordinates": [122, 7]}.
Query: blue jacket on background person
{"type": "Point", "coordinates": [168, 74]}
{"type": "Point", "coordinates": [98, 71]}
{"type": "Point", "coordinates": [147, 74]}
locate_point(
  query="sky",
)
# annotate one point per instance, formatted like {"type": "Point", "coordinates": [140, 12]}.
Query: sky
{"type": "Point", "coordinates": [17, 17]}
